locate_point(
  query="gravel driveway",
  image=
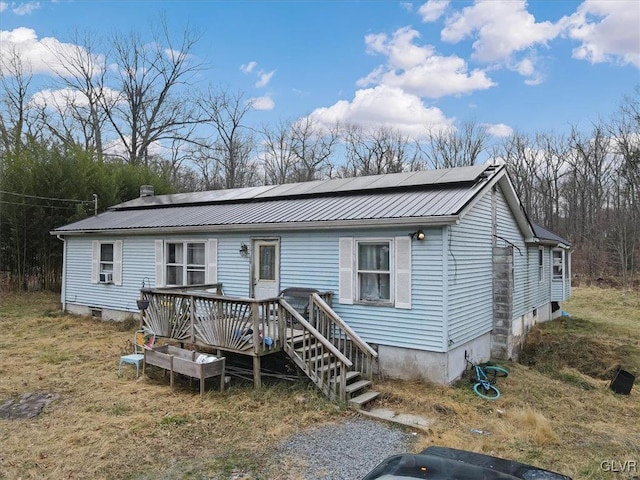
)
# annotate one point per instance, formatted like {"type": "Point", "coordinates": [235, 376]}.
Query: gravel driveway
{"type": "Point", "coordinates": [342, 451]}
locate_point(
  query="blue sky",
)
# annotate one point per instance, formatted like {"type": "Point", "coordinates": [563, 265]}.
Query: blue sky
{"type": "Point", "coordinates": [511, 65]}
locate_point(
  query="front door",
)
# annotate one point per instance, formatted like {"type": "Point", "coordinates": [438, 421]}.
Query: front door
{"type": "Point", "coordinates": [266, 268]}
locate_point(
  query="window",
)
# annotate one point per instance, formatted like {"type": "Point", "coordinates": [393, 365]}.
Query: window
{"type": "Point", "coordinates": [185, 263]}
{"type": "Point", "coordinates": [106, 257]}
{"type": "Point", "coordinates": [267, 267]}
{"type": "Point", "coordinates": [106, 262]}
{"type": "Point", "coordinates": [558, 264]}
{"type": "Point", "coordinates": [374, 271]}
{"type": "Point", "coordinates": [540, 264]}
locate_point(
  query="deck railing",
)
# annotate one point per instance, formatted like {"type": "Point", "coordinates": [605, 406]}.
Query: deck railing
{"type": "Point", "coordinates": [346, 341]}
{"type": "Point", "coordinates": [244, 325]}
{"type": "Point", "coordinates": [323, 345]}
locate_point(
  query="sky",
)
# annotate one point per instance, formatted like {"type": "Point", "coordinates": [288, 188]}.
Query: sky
{"type": "Point", "coordinates": [538, 66]}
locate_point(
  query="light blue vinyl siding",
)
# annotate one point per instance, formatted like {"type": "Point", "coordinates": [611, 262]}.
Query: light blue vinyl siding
{"type": "Point", "coordinates": [470, 274]}
{"type": "Point", "coordinates": [310, 259]}
{"type": "Point", "coordinates": [234, 270]}
{"type": "Point", "coordinates": [539, 292]}
{"type": "Point", "coordinates": [138, 263]}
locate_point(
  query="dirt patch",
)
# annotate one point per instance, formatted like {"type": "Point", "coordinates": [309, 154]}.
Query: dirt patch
{"type": "Point", "coordinates": [30, 405]}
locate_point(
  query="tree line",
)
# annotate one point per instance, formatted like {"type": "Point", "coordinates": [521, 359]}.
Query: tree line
{"type": "Point", "coordinates": [138, 114]}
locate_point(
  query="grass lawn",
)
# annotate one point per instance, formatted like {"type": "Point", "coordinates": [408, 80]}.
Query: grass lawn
{"type": "Point", "coordinates": [555, 412]}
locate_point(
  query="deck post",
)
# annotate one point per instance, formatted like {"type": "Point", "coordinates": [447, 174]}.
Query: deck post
{"type": "Point", "coordinates": [192, 316]}
{"type": "Point", "coordinates": [256, 372]}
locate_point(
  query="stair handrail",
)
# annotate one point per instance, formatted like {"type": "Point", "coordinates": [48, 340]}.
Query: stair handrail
{"type": "Point", "coordinates": [326, 343]}
{"type": "Point", "coordinates": [361, 344]}
{"type": "Point", "coordinates": [334, 329]}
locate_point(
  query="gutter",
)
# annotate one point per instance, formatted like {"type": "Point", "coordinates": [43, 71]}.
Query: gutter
{"type": "Point", "coordinates": [63, 288]}
{"type": "Point", "coordinates": [282, 227]}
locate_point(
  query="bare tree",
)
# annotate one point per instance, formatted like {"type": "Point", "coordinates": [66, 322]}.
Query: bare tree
{"type": "Point", "coordinates": [153, 80]}
{"type": "Point", "coordinates": [455, 147]}
{"type": "Point", "coordinates": [313, 147]}
{"type": "Point", "coordinates": [84, 98]}
{"type": "Point", "coordinates": [383, 150]}
{"type": "Point", "coordinates": [15, 81]}
{"type": "Point", "coordinates": [624, 230]}
{"type": "Point", "coordinates": [279, 158]}
{"type": "Point", "coordinates": [553, 155]}
{"type": "Point", "coordinates": [233, 150]}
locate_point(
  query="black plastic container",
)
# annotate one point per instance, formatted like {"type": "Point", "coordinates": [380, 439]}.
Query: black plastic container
{"type": "Point", "coordinates": [622, 382]}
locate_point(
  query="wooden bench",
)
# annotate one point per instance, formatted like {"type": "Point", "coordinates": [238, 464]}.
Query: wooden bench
{"type": "Point", "coordinates": [183, 361]}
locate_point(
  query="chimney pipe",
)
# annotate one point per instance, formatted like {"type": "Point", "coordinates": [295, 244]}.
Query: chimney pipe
{"type": "Point", "coordinates": [146, 191]}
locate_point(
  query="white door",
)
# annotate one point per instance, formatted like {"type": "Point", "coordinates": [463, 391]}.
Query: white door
{"type": "Point", "coordinates": [266, 268]}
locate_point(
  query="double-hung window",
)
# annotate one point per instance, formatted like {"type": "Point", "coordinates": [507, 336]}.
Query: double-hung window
{"type": "Point", "coordinates": [558, 264]}
{"type": "Point", "coordinates": [375, 271]}
{"type": "Point", "coordinates": [185, 263]}
{"type": "Point", "coordinates": [540, 264]}
{"type": "Point", "coordinates": [106, 258]}
{"type": "Point", "coordinates": [106, 262]}
{"type": "Point", "coordinates": [374, 268]}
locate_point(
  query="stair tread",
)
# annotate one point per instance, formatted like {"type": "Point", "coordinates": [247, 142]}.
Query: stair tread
{"type": "Point", "coordinates": [351, 374]}
{"type": "Point", "coordinates": [364, 398]}
{"type": "Point", "coordinates": [355, 386]}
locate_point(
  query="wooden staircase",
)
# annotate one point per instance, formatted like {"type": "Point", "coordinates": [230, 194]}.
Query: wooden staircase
{"type": "Point", "coordinates": [330, 353]}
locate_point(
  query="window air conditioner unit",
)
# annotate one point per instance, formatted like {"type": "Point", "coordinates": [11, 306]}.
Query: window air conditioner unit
{"type": "Point", "coordinates": [106, 277]}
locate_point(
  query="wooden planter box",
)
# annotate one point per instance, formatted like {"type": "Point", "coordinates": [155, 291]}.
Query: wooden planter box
{"type": "Point", "coordinates": [180, 360]}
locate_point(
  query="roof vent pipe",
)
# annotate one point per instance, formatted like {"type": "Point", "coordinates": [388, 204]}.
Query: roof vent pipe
{"type": "Point", "coordinates": [146, 191]}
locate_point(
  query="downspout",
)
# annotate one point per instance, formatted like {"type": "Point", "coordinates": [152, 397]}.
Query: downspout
{"type": "Point", "coordinates": [63, 288]}
{"type": "Point", "coordinates": [445, 290]}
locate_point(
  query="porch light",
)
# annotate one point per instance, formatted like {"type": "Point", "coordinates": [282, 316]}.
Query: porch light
{"type": "Point", "coordinates": [244, 250]}
{"type": "Point", "coordinates": [419, 235]}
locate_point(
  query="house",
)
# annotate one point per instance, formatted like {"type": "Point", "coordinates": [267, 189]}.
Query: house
{"type": "Point", "coordinates": [427, 267]}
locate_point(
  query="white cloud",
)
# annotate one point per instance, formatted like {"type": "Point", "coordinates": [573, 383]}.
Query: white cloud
{"type": "Point", "coordinates": [384, 106]}
{"type": "Point", "coordinates": [117, 148]}
{"type": "Point", "coordinates": [25, 8]}
{"type": "Point", "coordinates": [433, 10]}
{"type": "Point", "coordinates": [248, 67]}
{"type": "Point", "coordinates": [40, 54]}
{"type": "Point", "coordinates": [262, 103]}
{"type": "Point", "coordinates": [408, 6]}
{"type": "Point", "coordinates": [609, 31]}
{"type": "Point", "coordinates": [176, 55]}
{"type": "Point", "coordinates": [418, 69]}
{"type": "Point", "coordinates": [60, 99]}
{"type": "Point", "coordinates": [499, 130]}
{"type": "Point", "coordinates": [264, 78]}
{"type": "Point", "coordinates": [3, 6]}
{"type": "Point", "coordinates": [528, 67]}
{"type": "Point", "coordinates": [502, 27]}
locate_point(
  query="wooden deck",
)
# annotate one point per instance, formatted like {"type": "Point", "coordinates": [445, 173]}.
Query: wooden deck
{"type": "Point", "coordinates": [322, 345]}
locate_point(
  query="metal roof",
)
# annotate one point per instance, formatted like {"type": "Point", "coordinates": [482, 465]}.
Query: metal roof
{"type": "Point", "coordinates": [544, 234]}
{"type": "Point", "coordinates": [319, 187]}
{"type": "Point", "coordinates": [332, 208]}
{"type": "Point", "coordinates": [426, 197]}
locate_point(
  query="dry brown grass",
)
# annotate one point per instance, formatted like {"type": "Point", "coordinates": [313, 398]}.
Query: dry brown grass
{"type": "Point", "coordinates": [109, 427]}
{"type": "Point", "coordinates": [562, 420]}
